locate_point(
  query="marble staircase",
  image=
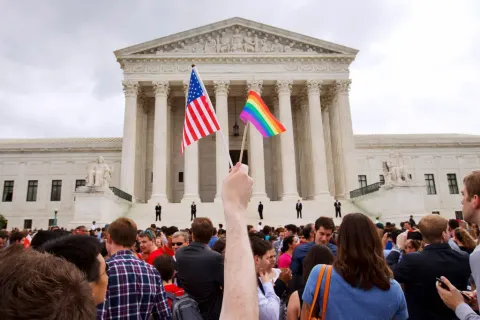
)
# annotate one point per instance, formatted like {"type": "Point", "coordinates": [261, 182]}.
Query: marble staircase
{"type": "Point", "coordinates": [275, 213]}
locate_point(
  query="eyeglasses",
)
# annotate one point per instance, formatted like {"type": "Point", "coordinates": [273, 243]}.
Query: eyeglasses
{"type": "Point", "coordinates": [178, 244]}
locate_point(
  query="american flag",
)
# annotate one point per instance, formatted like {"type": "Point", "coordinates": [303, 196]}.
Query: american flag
{"type": "Point", "coordinates": [200, 118]}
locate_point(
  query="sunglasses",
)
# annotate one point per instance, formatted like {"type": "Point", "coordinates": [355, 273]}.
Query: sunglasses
{"type": "Point", "coordinates": [178, 244]}
{"type": "Point", "coordinates": [147, 233]}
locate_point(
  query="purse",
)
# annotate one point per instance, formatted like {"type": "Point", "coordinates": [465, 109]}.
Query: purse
{"type": "Point", "coordinates": [325, 292]}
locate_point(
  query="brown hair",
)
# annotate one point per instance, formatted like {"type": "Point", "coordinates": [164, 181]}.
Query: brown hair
{"type": "Point", "coordinates": [416, 244]}
{"type": "Point", "coordinates": [465, 238]}
{"type": "Point", "coordinates": [36, 285]}
{"type": "Point", "coordinates": [432, 227]}
{"type": "Point", "coordinates": [202, 229]}
{"type": "Point", "coordinates": [123, 232]}
{"type": "Point", "coordinates": [325, 222]}
{"type": "Point", "coordinates": [318, 254]}
{"type": "Point", "coordinates": [360, 259]}
{"type": "Point", "coordinates": [472, 184]}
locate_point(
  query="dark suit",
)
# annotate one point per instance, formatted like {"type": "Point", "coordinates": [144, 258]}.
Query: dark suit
{"type": "Point", "coordinates": [193, 211]}
{"type": "Point", "coordinates": [260, 211]}
{"type": "Point", "coordinates": [200, 270]}
{"type": "Point", "coordinates": [299, 207]}
{"type": "Point", "coordinates": [418, 272]}
{"type": "Point", "coordinates": [338, 209]}
{"type": "Point", "coordinates": [158, 213]}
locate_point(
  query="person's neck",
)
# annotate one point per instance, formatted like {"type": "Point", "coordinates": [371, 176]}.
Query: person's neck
{"type": "Point", "coordinates": [168, 282]}
{"type": "Point", "coordinates": [114, 248]}
{"type": "Point", "coordinates": [476, 217]}
{"type": "Point", "coordinates": [153, 249]}
{"type": "Point", "coordinates": [290, 251]}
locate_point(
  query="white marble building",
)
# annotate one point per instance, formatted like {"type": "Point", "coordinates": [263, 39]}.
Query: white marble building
{"type": "Point", "coordinates": [305, 82]}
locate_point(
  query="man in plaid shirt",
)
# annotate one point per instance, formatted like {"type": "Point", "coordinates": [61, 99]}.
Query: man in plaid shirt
{"type": "Point", "coordinates": [135, 289]}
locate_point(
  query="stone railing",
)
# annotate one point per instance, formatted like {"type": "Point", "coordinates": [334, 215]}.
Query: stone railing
{"type": "Point", "coordinates": [366, 190]}
{"type": "Point", "coordinates": [121, 194]}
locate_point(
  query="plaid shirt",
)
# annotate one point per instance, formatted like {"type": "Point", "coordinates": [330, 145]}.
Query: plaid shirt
{"type": "Point", "coordinates": [135, 290]}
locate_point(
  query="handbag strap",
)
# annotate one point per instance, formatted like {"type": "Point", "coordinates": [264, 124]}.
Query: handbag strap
{"type": "Point", "coordinates": [317, 289]}
{"type": "Point", "coordinates": [326, 292]}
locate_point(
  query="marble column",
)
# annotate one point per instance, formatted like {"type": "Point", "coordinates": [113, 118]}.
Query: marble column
{"type": "Point", "coordinates": [127, 182]}
{"type": "Point", "coordinates": [289, 177]}
{"type": "Point", "coordinates": [277, 160]}
{"type": "Point", "coordinates": [256, 155]}
{"type": "Point", "coordinates": [190, 185]}
{"type": "Point", "coordinates": [326, 100]}
{"type": "Point", "coordinates": [171, 104]}
{"type": "Point", "coordinates": [343, 147]}
{"type": "Point", "coordinates": [317, 142]}
{"type": "Point", "coordinates": [160, 136]}
{"type": "Point", "coordinates": [307, 150]}
{"type": "Point", "coordinates": [221, 109]}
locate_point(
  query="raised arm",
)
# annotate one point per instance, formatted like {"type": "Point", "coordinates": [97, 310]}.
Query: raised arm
{"type": "Point", "coordinates": [240, 299]}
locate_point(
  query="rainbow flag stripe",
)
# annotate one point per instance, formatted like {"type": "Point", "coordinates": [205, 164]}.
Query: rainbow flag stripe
{"type": "Point", "coordinates": [256, 111]}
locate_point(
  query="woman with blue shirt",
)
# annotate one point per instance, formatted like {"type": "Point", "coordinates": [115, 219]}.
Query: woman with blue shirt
{"type": "Point", "coordinates": [361, 283]}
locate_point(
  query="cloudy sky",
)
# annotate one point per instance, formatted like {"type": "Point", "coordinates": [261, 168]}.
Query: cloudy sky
{"type": "Point", "coordinates": [418, 70]}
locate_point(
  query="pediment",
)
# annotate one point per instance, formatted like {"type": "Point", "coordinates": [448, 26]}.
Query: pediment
{"type": "Point", "coordinates": [236, 36]}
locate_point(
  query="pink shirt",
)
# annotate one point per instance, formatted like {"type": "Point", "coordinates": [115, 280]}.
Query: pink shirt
{"type": "Point", "coordinates": [284, 260]}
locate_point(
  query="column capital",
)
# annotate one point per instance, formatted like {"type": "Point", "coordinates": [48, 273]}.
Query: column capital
{"type": "Point", "coordinates": [255, 85]}
{"type": "Point", "coordinates": [161, 88]}
{"type": "Point", "coordinates": [131, 88]}
{"type": "Point", "coordinates": [313, 86]}
{"type": "Point", "coordinates": [185, 87]}
{"type": "Point", "coordinates": [343, 86]}
{"type": "Point", "coordinates": [284, 86]}
{"type": "Point", "coordinates": [221, 87]}
{"type": "Point", "coordinates": [326, 100]}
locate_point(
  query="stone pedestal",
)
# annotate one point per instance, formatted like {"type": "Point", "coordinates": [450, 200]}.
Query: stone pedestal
{"type": "Point", "coordinates": [394, 203]}
{"type": "Point", "coordinates": [100, 206]}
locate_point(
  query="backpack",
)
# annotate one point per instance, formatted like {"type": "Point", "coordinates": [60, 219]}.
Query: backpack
{"type": "Point", "coordinates": [184, 307]}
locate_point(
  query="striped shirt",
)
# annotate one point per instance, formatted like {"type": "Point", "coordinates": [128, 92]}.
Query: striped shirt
{"type": "Point", "coordinates": [135, 290]}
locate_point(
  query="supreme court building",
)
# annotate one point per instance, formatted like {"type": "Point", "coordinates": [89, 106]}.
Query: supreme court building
{"type": "Point", "coordinates": [304, 81]}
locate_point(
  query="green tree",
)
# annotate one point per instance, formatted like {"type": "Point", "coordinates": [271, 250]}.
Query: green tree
{"type": "Point", "coordinates": [3, 222]}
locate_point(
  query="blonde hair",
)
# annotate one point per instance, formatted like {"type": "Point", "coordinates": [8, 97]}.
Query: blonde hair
{"type": "Point", "coordinates": [465, 238]}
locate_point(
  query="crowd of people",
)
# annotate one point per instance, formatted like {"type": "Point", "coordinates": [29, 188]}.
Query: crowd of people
{"type": "Point", "coordinates": [360, 269]}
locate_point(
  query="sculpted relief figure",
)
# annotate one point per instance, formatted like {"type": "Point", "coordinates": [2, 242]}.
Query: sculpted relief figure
{"type": "Point", "coordinates": [99, 174]}
{"type": "Point", "coordinates": [199, 47]}
{"type": "Point", "coordinates": [237, 41]}
{"type": "Point", "coordinates": [181, 47]}
{"type": "Point", "coordinates": [250, 43]}
{"type": "Point", "coordinates": [277, 46]}
{"type": "Point", "coordinates": [264, 45]}
{"type": "Point", "coordinates": [211, 45]}
{"type": "Point", "coordinates": [224, 43]}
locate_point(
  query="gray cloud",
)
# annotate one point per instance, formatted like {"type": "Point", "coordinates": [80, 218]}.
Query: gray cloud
{"type": "Point", "coordinates": [61, 77]}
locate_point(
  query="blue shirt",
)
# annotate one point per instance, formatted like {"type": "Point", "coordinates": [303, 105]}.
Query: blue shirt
{"type": "Point", "coordinates": [212, 241]}
{"type": "Point", "coordinates": [300, 253]}
{"type": "Point", "coordinates": [347, 302]}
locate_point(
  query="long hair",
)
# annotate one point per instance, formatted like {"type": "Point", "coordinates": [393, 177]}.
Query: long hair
{"type": "Point", "coordinates": [318, 254]}
{"type": "Point", "coordinates": [360, 259]}
{"type": "Point", "coordinates": [286, 242]}
{"type": "Point", "coordinates": [465, 238]}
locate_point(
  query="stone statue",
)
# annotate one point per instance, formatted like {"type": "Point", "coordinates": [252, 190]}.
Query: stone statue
{"type": "Point", "coordinates": [264, 45]}
{"type": "Point", "coordinates": [181, 47]}
{"type": "Point", "coordinates": [211, 45]}
{"type": "Point", "coordinates": [395, 172]}
{"type": "Point", "coordinates": [224, 44]}
{"type": "Point", "coordinates": [277, 46]}
{"type": "Point", "coordinates": [99, 174]}
{"type": "Point", "coordinates": [237, 41]}
{"type": "Point", "coordinates": [249, 43]}
{"type": "Point", "coordinates": [199, 47]}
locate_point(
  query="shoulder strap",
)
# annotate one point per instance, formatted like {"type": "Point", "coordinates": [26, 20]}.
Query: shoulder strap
{"type": "Point", "coordinates": [326, 292]}
{"type": "Point", "coordinates": [317, 289]}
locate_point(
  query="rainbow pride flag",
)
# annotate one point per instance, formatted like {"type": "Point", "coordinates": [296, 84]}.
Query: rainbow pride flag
{"type": "Point", "coordinates": [257, 113]}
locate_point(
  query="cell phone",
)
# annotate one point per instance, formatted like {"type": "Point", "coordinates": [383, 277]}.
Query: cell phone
{"type": "Point", "coordinates": [444, 286]}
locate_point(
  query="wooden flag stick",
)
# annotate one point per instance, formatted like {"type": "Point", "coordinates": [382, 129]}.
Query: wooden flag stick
{"type": "Point", "coordinates": [243, 141]}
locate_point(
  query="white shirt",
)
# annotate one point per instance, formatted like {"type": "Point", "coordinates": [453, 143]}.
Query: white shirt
{"type": "Point", "coordinates": [94, 227]}
{"type": "Point", "coordinates": [268, 304]}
